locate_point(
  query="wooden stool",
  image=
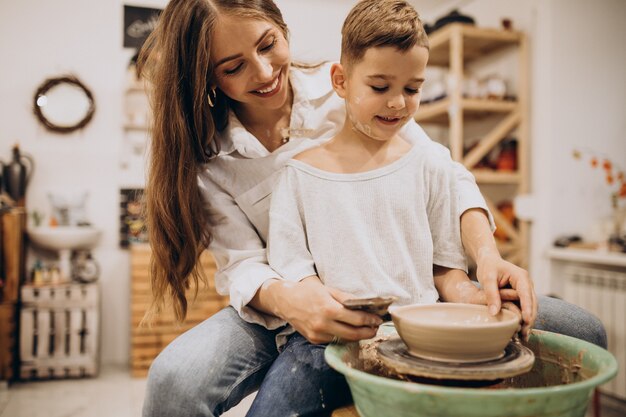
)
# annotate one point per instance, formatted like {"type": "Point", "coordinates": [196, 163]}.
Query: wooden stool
{"type": "Point", "coordinates": [348, 411]}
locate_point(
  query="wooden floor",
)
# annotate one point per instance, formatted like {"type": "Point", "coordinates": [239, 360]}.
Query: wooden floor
{"type": "Point", "coordinates": [345, 412]}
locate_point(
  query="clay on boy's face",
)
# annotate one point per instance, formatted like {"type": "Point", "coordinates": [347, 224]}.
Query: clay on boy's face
{"type": "Point", "coordinates": [383, 90]}
{"type": "Point", "coordinates": [252, 61]}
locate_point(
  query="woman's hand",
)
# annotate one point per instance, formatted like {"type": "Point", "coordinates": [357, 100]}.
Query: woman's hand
{"type": "Point", "coordinates": [315, 311]}
{"type": "Point", "coordinates": [494, 274]}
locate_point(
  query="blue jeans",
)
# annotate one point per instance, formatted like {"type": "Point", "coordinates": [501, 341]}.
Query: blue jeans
{"type": "Point", "coordinates": [213, 366]}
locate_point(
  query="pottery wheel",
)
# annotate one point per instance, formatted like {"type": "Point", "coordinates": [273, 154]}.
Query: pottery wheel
{"type": "Point", "coordinates": [517, 359]}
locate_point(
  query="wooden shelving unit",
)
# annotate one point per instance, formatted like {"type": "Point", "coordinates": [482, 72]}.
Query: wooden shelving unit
{"type": "Point", "coordinates": [454, 47]}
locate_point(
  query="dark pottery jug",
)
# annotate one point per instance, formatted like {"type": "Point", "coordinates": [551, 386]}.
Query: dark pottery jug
{"type": "Point", "coordinates": [16, 176]}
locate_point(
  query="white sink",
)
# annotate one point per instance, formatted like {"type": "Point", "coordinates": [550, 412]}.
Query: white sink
{"type": "Point", "coordinates": [65, 237]}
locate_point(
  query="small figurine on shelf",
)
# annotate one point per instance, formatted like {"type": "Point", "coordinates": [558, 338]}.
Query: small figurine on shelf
{"type": "Point", "coordinates": [507, 159]}
{"type": "Point", "coordinates": [37, 273]}
{"type": "Point", "coordinates": [37, 217]}
{"type": "Point", "coordinates": [84, 267]}
{"type": "Point", "coordinates": [508, 213]}
{"type": "Point", "coordinates": [55, 275]}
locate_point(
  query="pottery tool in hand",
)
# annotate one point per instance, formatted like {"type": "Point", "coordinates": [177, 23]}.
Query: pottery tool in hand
{"type": "Point", "coordinates": [376, 305]}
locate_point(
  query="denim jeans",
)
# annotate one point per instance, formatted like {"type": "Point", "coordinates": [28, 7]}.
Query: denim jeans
{"type": "Point", "coordinates": [213, 366]}
{"type": "Point", "coordinates": [300, 383]}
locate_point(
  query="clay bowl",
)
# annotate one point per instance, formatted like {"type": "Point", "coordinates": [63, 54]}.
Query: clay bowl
{"type": "Point", "coordinates": [453, 332]}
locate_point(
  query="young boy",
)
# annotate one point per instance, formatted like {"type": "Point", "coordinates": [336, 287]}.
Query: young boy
{"type": "Point", "coordinates": [367, 212]}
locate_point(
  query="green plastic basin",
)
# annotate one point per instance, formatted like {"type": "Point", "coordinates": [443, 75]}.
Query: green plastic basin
{"type": "Point", "coordinates": [561, 383]}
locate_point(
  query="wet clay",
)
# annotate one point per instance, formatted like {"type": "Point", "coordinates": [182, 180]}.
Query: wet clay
{"type": "Point", "coordinates": [455, 332]}
{"type": "Point", "coordinates": [549, 369]}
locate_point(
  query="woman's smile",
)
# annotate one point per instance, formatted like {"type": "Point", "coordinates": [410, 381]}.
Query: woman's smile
{"type": "Point", "coordinates": [270, 89]}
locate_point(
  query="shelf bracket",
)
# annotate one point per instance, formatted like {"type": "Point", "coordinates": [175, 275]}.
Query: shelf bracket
{"type": "Point", "coordinates": [491, 140]}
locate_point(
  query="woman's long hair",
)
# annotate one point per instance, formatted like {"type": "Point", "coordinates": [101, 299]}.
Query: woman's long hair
{"type": "Point", "coordinates": [176, 61]}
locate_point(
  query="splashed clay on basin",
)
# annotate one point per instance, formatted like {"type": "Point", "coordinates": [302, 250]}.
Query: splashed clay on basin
{"type": "Point", "coordinates": [560, 384]}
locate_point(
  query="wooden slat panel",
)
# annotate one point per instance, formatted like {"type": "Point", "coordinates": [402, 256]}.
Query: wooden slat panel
{"type": "Point", "coordinates": [148, 341]}
{"type": "Point", "coordinates": [75, 331]}
{"type": "Point", "coordinates": [27, 317]}
{"type": "Point", "coordinates": [43, 334]}
{"type": "Point", "coordinates": [59, 331]}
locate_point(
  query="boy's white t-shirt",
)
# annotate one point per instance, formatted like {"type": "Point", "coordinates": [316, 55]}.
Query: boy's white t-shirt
{"type": "Point", "coordinates": [374, 233]}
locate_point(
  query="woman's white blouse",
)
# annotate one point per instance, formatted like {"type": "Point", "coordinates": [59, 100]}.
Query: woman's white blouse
{"type": "Point", "coordinates": [237, 185]}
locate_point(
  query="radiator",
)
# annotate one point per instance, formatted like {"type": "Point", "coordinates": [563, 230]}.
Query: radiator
{"type": "Point", "coordinates": [603, 293]}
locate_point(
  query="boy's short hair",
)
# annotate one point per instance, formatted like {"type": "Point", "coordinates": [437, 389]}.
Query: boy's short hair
{"type": "Point", "coordinates": [375, 23]}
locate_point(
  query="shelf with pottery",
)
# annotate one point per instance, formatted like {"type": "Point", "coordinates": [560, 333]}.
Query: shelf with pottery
{"type": "Point", "coordinates": [454, 47]}
{"type": "Point", "coordinates": [476, 42]}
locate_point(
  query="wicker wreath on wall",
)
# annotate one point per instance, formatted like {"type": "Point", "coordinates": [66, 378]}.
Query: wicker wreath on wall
{"type": "Point", "coordinates": [40, 102]}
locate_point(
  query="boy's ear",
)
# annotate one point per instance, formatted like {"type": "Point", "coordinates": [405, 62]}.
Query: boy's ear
{"type": "Point", "coordinates": [338, 79]}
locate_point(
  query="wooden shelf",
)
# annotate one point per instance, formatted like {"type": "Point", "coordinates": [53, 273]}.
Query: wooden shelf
{"type": "Point", "coordinates": [477, 42]}
{"type": "Point", "coordinates": [453, 47]}
{"type": "Point", "coordinates": [487, 176]}
{"type": "Point", "coordinates": [438, 112]}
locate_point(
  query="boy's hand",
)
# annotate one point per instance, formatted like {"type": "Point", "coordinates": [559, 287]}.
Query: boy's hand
{"type": "Point", "coordinates": [315, 311]}
{"type": "Point", "coordinates": [494, 273]}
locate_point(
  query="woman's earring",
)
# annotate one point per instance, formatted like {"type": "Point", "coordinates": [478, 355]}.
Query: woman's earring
{"type": "Point", "coordinates": [212, 100]}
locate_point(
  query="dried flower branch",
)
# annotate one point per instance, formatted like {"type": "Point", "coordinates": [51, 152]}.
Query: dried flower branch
{"type": "Point", "coordinates": [613, 175]}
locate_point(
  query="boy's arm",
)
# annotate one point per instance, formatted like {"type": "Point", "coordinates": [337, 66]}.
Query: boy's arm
{"type": "Point", "coordinates": [495, 273]}
{"type": "Point", "coordinates": [454, 286]}
{"type": "Point", "coordinates": [477, 226]}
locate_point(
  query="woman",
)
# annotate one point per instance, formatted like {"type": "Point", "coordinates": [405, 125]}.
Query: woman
{"type": "Point", "coordinates": [229, 110]}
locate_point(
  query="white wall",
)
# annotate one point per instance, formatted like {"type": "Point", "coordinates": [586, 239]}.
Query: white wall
{"type": "Point", "coordinates": [583, 96]}
{"type": "Point", "coordinates": [40, 39]}
{"type": "Point", "coordinates": [578, 97]}
{"type": "Point", "coordinates": [43, 39]}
